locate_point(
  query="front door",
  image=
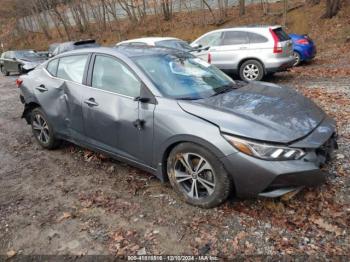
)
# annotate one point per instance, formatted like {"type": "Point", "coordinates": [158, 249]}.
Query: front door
{"type": "Point", "coordinates": [113, 118]}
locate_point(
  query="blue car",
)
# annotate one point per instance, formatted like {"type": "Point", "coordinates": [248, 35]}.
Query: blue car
{"type": "Point", "coordinates": [304, 48]}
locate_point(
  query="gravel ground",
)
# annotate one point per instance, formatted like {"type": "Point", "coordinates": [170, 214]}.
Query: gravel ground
{"type": "Point", "coordinates": [71, 201]}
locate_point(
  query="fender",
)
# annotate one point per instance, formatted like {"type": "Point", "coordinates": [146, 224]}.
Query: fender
{"type": "Point", "coordinates": [163, 152]}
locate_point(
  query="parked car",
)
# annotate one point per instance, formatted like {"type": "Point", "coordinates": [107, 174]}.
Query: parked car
{"type": "Point", "coordinates": [20, 61]}
{"type": "Point", "coordinates": [169, 42]}
{"type": "Point", "coordinates": [52, 48]}
{"type": "Point", "coordinates": [43, 54]}
{"type": "Point", "coordinates": [182, 119]}
{"type": "Point", "coordinates": [304, 49]}
{"type": "Point", "coordinates": [252, 51]}
{"type": "Point", "coordinates": [69, 46]}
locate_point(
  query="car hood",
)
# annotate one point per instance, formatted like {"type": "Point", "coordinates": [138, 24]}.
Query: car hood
{"type": "Point", "coordinates": [259, 111]}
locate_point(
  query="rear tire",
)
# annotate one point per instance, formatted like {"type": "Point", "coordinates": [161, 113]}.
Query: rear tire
{"type": "Point", "coordinates": [197, 176]}
{"type": "Point", "coordinates": [251, 70]}
{"type": "Point", "coordinates": [42, 129]}
{"type": "Point", "coordinates": [297, 58]}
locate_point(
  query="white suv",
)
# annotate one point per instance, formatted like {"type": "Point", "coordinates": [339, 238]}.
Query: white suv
{"type": "Point", "coordinates": [252, 51]}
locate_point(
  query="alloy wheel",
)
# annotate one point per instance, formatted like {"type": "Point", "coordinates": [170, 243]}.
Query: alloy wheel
{"type": "Point", "coordinates": [251, 72]}
{"type": "Point", "coordinates": [41, 129]}
{"type": "Point", "coordinates": [194, 175]}
{"type": "Point", "coordinates": [297, 58]}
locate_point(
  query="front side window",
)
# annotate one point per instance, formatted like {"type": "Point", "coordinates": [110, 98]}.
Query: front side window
{"type": "Point", "coordinates": [26, 55]}
{"type": "Point", "coordinates": [52, 67]}
{"type": "Point", "coordinates": [235, 38]}
{"type": "Point", "coordinates": [184, 77]}
{"type": "Point", "coordinates": [111, 75]}
{"type": "Point", "coordinates": [72, 68]}
{"type": "Point", "coordinates": [212, 39]}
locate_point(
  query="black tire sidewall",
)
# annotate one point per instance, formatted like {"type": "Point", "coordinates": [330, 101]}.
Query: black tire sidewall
{"type": "Point", "coordinates": [53, 142]}
{"type": "Point", "coordinates": [255, 62]}
{"type": "Point", "coordinates": [223, 184]}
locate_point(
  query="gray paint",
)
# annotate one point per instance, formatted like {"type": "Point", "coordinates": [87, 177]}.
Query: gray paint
{"type": "Point", "coordinates": [257, 110]}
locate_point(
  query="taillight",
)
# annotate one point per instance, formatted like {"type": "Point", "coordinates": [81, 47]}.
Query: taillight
{"type": "Point", "coordinates": [303, 41]}
{"type": "Point", "coordinates": [209, 58]}
{"type": "Point", "coordinates": [19, 82]}
{"type": "Point", "coordinates": [276, 48]}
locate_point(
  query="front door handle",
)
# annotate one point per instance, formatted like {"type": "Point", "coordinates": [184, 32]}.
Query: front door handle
{"type": "Point", "coordinates": [91, 102]}
{"type": "Point", "coordinates": [41, 88]}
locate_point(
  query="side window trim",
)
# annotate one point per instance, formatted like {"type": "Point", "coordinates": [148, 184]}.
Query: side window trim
{"type": "Point", "coordinates": [47, 66]}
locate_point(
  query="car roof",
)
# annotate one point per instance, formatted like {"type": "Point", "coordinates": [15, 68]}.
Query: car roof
{"type": "Point", "coordinates": [248, 27]}
{"type": "Point", "coordinates": [148, 40]}
{"type": "Point", "coordinates": [128, 51]}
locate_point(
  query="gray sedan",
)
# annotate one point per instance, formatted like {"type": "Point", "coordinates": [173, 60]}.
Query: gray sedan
{"type": "Point", "coordinates": [182, 119]}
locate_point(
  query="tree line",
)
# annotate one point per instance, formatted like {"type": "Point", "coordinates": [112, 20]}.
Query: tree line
{"type": "Point", "coordinates": [87, 15]}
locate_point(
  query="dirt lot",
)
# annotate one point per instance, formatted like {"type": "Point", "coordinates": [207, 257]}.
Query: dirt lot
{"type": "Point", "coordinates": [70, 201]}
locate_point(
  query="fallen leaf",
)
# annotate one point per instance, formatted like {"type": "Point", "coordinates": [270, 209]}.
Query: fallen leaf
{"type": "Point", "coordinates": [11, 253]}
{"type": "Point", "coordinates": [65, 215]}
{"type": "Point", "coordinates": [328, 227]}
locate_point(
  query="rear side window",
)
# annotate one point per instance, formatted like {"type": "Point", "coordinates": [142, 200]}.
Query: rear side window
{"type": "Point", "coordinates": [235, 38]}
{"type": "Point", "coordinates": [256, 38]}
{"type": "Point", "coordinates": [72, 68]}
{"type": "Point", "coordinates": [52, 67]}
{"type": "Point", "coordinates": [282, 36]}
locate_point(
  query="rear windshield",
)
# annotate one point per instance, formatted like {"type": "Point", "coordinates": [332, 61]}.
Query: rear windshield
{"type": "Point", "coordinates": [282, 36]}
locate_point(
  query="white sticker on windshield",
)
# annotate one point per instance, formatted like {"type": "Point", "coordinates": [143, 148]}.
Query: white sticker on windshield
{"type": "Point", "coordinates": [201, 62]}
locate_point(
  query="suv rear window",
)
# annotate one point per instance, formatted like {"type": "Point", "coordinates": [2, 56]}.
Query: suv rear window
{"type": "Point", "coordinates": [282, 36]}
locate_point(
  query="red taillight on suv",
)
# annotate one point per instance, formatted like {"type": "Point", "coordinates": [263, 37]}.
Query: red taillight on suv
{"type": "Point", "coordinates": [19, 82]}
{"type": "Point", "coordinates": [276, 48]}
{"type": "Point", "coordinates": [209, 58]}
{"type": "Point", "coordinates": [302, 41]}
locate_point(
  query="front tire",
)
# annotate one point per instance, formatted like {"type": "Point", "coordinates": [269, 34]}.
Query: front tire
{"type": "Point", "coordinates": [251, 70]}
{"type": "Point", "coordinates": [197, 176]}
{"type": "Point", "coordinates": [42, 129]}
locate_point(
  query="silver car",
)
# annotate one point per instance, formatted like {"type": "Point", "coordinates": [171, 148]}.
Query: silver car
{"type": "Point", "coordinates": [182, 119]}
{"type": "Point", "coordinates": [252, 52]}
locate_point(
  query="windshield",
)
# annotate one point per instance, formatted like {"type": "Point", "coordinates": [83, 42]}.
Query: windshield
{"type": "Point", "coordinates": [177, 44]}
{"type": "Point", "coordinates": [184, 77]}
{"type": "Point", "coordinates": [26, 55]}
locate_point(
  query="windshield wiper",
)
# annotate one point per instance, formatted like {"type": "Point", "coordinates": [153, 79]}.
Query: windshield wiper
{"type": "Point", "coordinates": [224, 89]}
{"type": "Point", "coordinates": [187, 98]}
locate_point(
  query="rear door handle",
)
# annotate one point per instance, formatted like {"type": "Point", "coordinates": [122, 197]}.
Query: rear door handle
{"type": "Point", "coordinates": [91, 102]}
{"type": "Point", "coordinates": [243, 47]}
{"type": "Point", "coordinates": [41, 88]}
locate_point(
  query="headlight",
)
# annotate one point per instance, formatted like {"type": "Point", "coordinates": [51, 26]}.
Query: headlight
{"type": "Point", "coordinates": [265, 151]}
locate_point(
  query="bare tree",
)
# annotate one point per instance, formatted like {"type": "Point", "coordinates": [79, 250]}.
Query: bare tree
{"type": "Point", "coordinates": [332, 8]}
{"type": "Point", "coordinates": [241, 7]}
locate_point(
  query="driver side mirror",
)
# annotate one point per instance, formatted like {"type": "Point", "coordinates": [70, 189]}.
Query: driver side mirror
{"type": "Point", "coordinates": [14, 59]}
{"type": "Point", "coordinates": [146, 96]}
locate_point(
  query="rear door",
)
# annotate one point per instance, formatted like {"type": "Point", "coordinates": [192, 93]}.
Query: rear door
{"type": "Point", "coordinates": [59, 92]}
{"type": "Point", "coordinates": [233, 46]}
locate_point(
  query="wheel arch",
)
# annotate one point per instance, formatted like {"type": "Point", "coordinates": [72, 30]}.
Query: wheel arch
{"type": "Point", "coordinates": [251, 58]}
{"type": "Point", "coordinates": [164, 153]}
{"type": "Point", "coordinates": [28, 108]}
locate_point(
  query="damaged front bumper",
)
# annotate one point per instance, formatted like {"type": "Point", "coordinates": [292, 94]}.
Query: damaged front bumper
{"type": "Point", "coordinates": [256, 177]}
